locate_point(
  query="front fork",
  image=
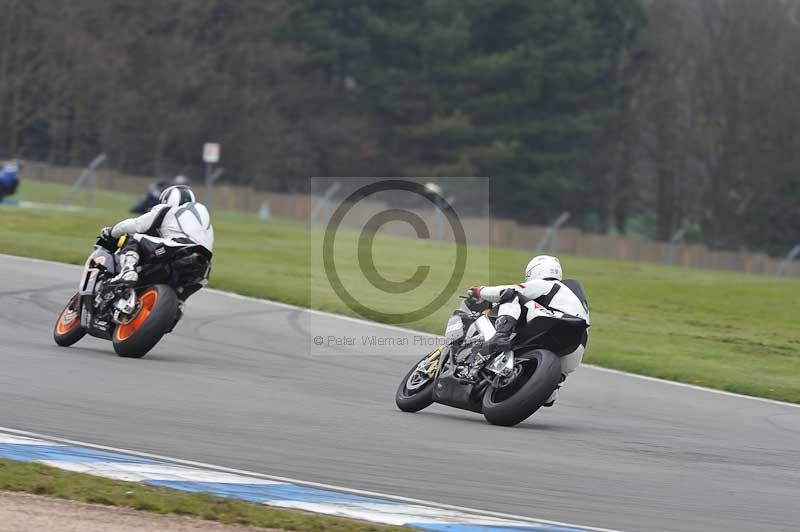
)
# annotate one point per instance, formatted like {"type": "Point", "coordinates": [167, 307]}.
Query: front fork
{"type": "Point", "coordinates": [430, 364]}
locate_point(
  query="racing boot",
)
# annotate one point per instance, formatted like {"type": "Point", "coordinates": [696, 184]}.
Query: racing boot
{"type": "Point", "coordinates": [501, 341]}
{"type": "Point", "coordinates": [127, 273]}
{"type": "Point", "coordinates": [554, 395]}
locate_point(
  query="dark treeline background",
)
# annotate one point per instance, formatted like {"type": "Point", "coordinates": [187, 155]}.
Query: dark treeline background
{"type": "Point", "coordinates": [645, 117]}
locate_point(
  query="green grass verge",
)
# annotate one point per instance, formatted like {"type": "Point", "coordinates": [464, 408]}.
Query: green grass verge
{"type": "Point", "coordinates": [731, 331]}
{"type": "Point", "coordinates": [51, 482]}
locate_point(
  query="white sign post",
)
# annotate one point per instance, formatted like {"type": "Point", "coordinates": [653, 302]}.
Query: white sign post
{"type": "Point", "coordinates": [211, 153]}
{"type": "Point", "coordinates": [210, 157]}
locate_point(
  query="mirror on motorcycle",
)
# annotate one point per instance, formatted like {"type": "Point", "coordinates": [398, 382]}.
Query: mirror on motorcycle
{"type": "Point", "coordinates": [110, 244]}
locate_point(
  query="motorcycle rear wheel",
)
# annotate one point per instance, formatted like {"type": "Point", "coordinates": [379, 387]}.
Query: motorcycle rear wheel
{"type": "Point", "coordinates": [540, 373]}
{"type": "Point", "coordinates": [158, 308]}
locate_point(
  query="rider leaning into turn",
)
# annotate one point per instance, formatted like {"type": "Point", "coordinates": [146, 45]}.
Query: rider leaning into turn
{"type": "Point", "coordinates": [542, 285]}
{"type": "Point", "coordinates": [177, 221]}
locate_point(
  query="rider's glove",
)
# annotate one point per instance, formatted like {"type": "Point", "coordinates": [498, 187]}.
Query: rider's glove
{"type": "Point", "coordinates": [507, 295]}
{"type": "Point", "coordinates": [105, 232]}
{"type": "Point", "coordinates": [474, 292]}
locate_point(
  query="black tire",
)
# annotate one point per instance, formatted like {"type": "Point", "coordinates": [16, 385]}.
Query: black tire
{"type": "Point", "coordinates": [418, 399]}
{"type": "Point", "coordinates": [540, 375]}
{"type": "Point", "coordinates": [67, 329]}
{"type": "Point", "coordinates": [135, 341]}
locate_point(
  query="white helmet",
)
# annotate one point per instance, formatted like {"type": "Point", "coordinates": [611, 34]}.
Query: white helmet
{"type": "Point", "coordinates": [543, 267]}
{"type": "Point", "coordinates": [176, 195]}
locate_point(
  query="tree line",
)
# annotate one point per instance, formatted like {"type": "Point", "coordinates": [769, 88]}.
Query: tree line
{"type": "Point", "coordinates": [651, 117]}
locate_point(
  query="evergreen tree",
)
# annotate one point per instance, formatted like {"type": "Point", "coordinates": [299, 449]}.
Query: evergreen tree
{"type": "Point", "coordinates": [541, 91]}
{"type": "Point", "coordinates": [394, 59]}
{"type": "Point", "coordinates": [510, 89]}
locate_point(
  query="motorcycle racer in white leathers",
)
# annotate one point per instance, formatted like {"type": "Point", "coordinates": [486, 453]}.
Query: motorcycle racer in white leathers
{"type": "Point", "coordinates": [542, 286]}
{"type": "Point", "coordinates": [177, 221]}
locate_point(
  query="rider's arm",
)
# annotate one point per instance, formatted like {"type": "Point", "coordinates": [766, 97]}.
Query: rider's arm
{"type": "Point", "coordinates": [141, 224]}
{"type": "Point", "coordinates": [492, 293]}
{"type": "Point", "coordinates": [529, 289]}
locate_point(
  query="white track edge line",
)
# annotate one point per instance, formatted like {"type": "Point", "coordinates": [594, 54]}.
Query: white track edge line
{"type": "Point", "coordinates": [319, 485]}
{"type": "Point", "coordinates": [411, 331]}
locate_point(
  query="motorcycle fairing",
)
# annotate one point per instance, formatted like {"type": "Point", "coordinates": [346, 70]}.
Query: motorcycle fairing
{"type": "Point", "coordinates": [453, 391]}
{"type": "Point", "coordinates": [100, 259]}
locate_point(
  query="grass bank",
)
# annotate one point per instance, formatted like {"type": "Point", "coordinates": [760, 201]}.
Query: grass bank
{"type": "Point", "coordinates": [725, 330]}
{"type": "Point", "coordinates": [44, 480]}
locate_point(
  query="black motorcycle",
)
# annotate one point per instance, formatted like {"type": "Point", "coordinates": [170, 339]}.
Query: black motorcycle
{"type": "Point", "coordinates": [133, 318]}
{"type": "Point", "coordinates": [506, 387]}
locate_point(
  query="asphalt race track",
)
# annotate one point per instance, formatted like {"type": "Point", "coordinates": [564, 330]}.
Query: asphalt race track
{"type": "Point", "coordinates": [240, 384]}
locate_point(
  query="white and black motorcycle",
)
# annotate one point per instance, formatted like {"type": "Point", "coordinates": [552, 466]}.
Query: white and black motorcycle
{"type": "Point", "coordinates": [506, 387]}
{"type": "Point", "coordinates": [133, 318]}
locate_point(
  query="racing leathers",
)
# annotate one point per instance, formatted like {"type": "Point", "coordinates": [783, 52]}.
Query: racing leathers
{"type": "Point", "coordinates": [552, 295]}
{"type": "Point", "coordinates": [162, 229]}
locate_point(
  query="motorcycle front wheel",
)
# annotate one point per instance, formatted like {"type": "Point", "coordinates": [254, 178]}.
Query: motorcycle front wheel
{"type": "Point", "coordinates": [416, 389]}
{"type": "Point", "coordinates": [68, 329]}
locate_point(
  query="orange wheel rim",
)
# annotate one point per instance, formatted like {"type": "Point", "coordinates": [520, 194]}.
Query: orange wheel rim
{"type": "Point", "coordinates": [148, 301]}
{"type": "Point", "coordinates": [67, 321]}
